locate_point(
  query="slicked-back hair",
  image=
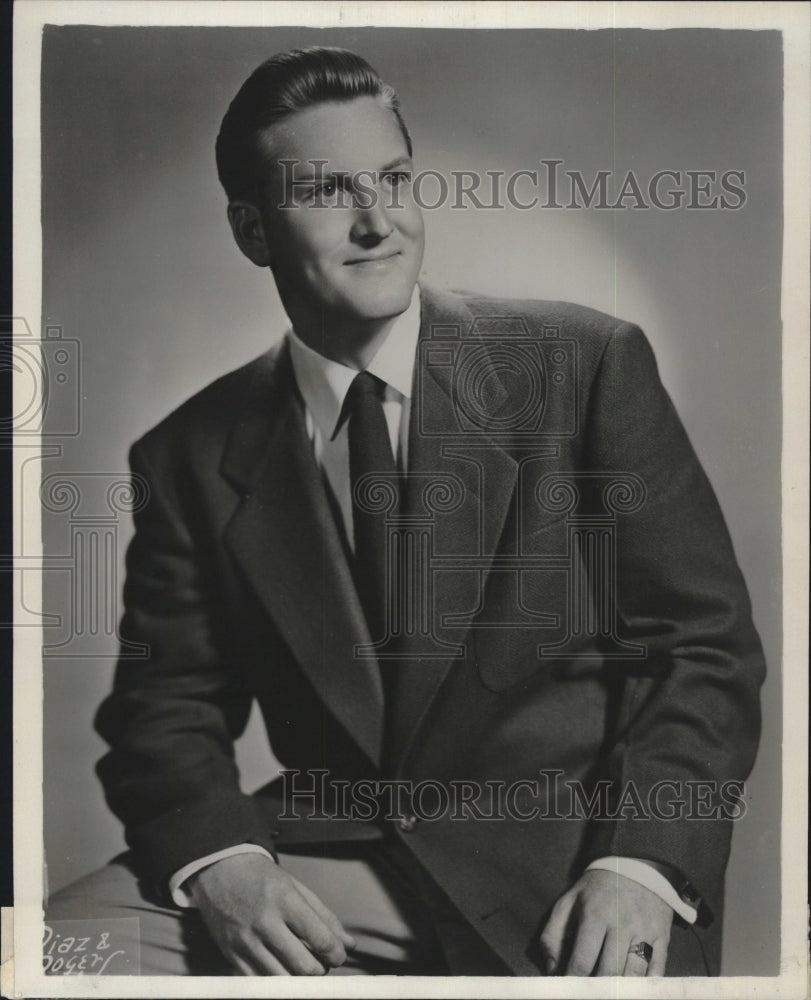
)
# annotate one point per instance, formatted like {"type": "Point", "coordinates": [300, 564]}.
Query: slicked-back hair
{"type": "Point", "coordinates": [286, 83]}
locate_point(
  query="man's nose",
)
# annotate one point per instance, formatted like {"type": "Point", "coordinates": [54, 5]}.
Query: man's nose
{"type": "Point", "coordinates": [371, 223]}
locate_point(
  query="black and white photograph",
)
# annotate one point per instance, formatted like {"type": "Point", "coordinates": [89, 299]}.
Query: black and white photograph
{"type": "Point", "coordinates": [410, 476]}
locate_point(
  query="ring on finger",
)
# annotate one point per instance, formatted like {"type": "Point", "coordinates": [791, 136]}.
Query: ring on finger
{"type": "Point", "coordinates": [643, 950]}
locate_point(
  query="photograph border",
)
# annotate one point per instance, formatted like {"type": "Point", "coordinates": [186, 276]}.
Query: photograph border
{"type": "Point", "coordinates": [22, 974]}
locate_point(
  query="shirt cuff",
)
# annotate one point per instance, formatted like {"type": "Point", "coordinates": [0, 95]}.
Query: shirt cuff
{"type": "Point", "coordinates": [179, 895]}
{"type": "Point", "coordinates": [644, 874]}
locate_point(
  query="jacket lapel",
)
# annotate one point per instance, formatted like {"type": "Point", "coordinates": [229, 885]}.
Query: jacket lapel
{"type": "Point", "coordinates": [284, 537]}
{"type": "Point", "coordinates": [483, 474]}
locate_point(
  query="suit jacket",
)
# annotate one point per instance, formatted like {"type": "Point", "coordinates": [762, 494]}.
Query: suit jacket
{"type": "Point", "coordinates": [587, 617]}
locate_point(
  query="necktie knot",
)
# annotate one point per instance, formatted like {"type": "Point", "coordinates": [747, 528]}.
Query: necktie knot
{"type": "Point", "coordinates": [364, 385]}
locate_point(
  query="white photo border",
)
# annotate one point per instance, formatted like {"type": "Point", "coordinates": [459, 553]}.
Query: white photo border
{"type": "Point", "coordinates": [23, 976]}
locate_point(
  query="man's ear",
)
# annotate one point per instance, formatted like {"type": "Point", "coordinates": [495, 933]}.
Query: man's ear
{"type": "Point", "coordinates": [249, 232]}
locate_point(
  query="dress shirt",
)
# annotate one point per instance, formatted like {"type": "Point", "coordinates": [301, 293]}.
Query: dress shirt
{"type": "Point", "coordinates": [323, 385]}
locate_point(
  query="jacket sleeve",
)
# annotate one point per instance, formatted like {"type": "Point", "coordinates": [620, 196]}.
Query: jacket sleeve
{"type": "Point", "coordinates": [690, 713]}
{"type": "Point", "coordinates": [171, 719]}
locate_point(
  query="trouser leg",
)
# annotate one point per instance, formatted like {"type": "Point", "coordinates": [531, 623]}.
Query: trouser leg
{"type": "Point", "coordinates": [370, 896]}
{"type": "Point", "coordinates": [465, 953]}
{"type": "Point", "coordinates": [155, 940]}
{"type": "Point", "coordinates": [376, 902]}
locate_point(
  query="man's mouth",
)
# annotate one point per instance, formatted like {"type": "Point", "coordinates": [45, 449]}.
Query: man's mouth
{"type": "Point", "coordinates": [373, 261]}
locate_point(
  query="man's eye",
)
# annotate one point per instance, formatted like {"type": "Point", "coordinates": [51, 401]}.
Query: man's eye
{"type": "Point", "coordinates": [329, 188]}
{"type": "Point", "coordinates": [397, 177]}
{"type": "Point", "coordinates": [318, 192]}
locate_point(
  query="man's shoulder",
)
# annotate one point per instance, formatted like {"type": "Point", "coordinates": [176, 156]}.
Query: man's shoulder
{"type": "Point", "coordinates": [208, 415]}
{"type": "Point", "coordinates": [569, 317]}
{"type": "Point", "coordinates": [492, 316]}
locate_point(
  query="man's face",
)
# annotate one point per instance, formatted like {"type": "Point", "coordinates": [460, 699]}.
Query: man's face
{"type": "Point", "coordinates": [345, 236]}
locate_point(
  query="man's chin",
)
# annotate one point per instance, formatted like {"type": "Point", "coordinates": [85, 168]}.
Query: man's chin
{"type": "Point", "coordinates": [379, 301]}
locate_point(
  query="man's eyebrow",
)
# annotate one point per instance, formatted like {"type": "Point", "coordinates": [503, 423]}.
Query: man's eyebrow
{"type": "Point", "coordinates": [401, 161]}
{"type": "Point", "coordinates": [298, 175]}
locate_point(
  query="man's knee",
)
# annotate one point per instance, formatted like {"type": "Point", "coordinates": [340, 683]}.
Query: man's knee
{"type": "Point", "coordinates": [111, 891]}
{"type": "Point", "coordinates": [111, 914]}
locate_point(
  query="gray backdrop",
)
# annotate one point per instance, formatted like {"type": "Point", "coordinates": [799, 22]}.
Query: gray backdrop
{"type": "Point", "coordinates": [140, 268]}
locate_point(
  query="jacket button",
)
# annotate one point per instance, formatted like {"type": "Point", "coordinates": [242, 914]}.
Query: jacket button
{"type": "Point", "coordinates": [407, 823]}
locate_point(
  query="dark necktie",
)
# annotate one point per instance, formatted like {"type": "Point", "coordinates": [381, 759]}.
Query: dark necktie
{"type": "Point", "coordinates": [369, 454]}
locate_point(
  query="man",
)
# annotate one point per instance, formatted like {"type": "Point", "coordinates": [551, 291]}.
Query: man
{"type": "Point", "coordinates": [448, 543]}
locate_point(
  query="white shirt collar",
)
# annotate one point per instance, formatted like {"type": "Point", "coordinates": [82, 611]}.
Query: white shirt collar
{"type": "Point", "coordinates": [324, 384]}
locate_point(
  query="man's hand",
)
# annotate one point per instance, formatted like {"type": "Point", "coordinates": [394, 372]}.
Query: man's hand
{"type": "Point", "coordinates": [265, 921]}
{"type": "Point", "coordinates": [593, 925]}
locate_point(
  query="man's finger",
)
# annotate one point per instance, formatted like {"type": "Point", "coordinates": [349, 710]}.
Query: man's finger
{"type": "Point", "coordinates": [327, 916]}
{"type": "Point", "coordinates": [636, 964]}
{"type": "Point", "coordinates": [307, 926]}
{"type": "Point", "coordinates": [657, 964]}
{"type": "Point", "coordinates": [587, 945]}
{"type": "Point", "coordinates": [612, 956]}
{"type": "Point", "coordinates": [286, 946]}
{"type": "Point", "coordinates": [242, 967]}
{"type": "Point", "coordinates": [551, 940]}
{"type": "Point", "coordinates": [257, 961]}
